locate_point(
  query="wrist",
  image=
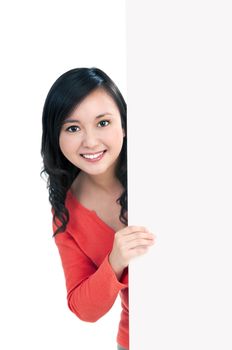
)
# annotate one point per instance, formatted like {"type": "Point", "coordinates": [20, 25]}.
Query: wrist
{"type": "Point", "coordinates": [117, 270]}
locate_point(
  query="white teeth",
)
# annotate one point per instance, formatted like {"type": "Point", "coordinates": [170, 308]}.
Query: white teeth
{"type": "Point", "coordinates": [92, 156]}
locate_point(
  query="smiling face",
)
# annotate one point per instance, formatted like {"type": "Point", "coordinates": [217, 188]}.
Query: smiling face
{"type": "Point", "coordinates": [93, 127]}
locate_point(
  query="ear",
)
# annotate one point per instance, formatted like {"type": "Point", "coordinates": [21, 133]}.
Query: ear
{"type": "Point", "coordinates": [123, 131]}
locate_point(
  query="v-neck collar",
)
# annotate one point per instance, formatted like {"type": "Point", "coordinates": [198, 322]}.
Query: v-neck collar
{"type": "Point", "coordinates": [88, 211]}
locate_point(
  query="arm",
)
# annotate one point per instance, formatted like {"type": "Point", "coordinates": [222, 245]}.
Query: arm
{"type": "Point", "coordinates": [91, 291]}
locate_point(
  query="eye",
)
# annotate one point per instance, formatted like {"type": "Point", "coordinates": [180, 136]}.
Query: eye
{"type": "Point", "coordinates": [72, 128]}
{"type": "Point", "coordinates": [104, 121]}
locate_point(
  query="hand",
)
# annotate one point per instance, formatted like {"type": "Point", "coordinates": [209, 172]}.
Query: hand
{"type": "Point", "coordinates": [129, 242]}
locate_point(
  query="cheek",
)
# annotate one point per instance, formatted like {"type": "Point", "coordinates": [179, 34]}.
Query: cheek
{"type": "Point", "coordinates": [120, 134]}
{"type": "Point", "coordinates": [116, 138]}
{"type": "Point", "coordinates": [66, 144]}
{"type": "Point", "coordinates": [116, 132]}
{"type": "Point", "coordinates": [62, 143]}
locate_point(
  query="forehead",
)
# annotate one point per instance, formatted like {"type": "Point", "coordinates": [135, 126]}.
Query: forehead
{"type": "Point", "coordinates": [97, 102]}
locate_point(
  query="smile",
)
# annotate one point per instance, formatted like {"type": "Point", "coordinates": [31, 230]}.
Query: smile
{"type": "Point", "coordinates": [93, 157]}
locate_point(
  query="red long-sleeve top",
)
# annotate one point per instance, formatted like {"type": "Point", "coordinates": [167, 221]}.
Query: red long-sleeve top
{"type": "Point", "coordinates": [92, 286]}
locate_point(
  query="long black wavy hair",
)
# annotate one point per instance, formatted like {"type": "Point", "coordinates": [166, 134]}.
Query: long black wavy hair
{"type": "Point", "coordinates": [63, 97]}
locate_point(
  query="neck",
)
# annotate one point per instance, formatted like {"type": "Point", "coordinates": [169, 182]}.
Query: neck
{"type": "Point", "coordinates": [106, 182]}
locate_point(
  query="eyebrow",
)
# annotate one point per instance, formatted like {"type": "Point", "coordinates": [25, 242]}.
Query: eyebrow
{"type": "Point", "coordinates": [78, 121]}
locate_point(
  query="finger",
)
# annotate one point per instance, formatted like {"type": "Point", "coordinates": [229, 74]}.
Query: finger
{"type": "Point", "coordinates": [132, 229]}
{"type": "Point", "coordinates": [133, 253]}
{"type": "Point", "coordinates": [140, 235]}
{"type": "Point", "coordinates": [138, 243]}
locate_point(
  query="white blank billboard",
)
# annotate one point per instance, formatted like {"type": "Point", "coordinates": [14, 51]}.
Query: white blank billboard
{"type": "Point", "coordinates": [180, 173]}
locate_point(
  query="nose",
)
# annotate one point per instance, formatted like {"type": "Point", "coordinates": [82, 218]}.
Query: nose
{"type": "Point", "coordinates": [89, 140]}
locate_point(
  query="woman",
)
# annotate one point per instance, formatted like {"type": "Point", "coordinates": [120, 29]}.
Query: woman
{"type": "Point", "coordinates": [84, 151]}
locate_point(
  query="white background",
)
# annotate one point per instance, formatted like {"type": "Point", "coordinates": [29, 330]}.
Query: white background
{"type": "Point", "coordinates": [180, 173]}
{"type": "Point", "coordinates": [40, 40]}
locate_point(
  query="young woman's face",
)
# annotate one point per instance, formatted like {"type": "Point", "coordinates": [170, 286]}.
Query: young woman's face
{"type": "Point", "coordinates": [93, 127]}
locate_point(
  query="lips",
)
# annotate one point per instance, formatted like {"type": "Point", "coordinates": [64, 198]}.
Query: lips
{"type": "Point", "coordinates": [91, 158]}
{"type": "Point", "coordinates": [93, 153]}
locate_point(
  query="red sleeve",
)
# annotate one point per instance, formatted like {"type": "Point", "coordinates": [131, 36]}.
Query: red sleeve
{"type": "Point", "coordinates": [91, 290]}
